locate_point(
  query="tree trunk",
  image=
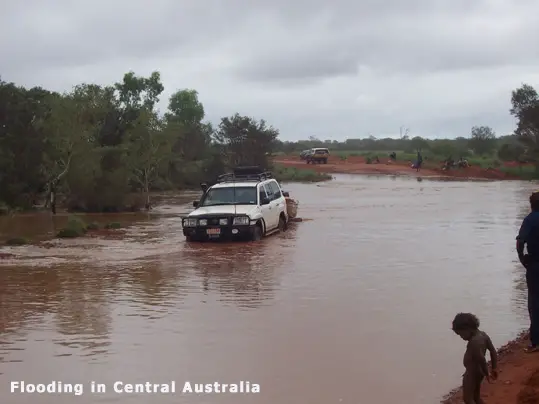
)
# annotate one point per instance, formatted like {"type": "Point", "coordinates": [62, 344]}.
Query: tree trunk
{"type": "Point", "coordinates": [147, 193]}
{"type": "Point", "coordinates": [53, 183]}
{"type": "Point", "coordinates": [53, 201]}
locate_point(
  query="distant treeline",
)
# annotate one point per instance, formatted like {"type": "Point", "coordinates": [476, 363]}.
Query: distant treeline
{"type": "Point", "coordinates": [104, 148]}
{"type": "Point", "coordinates": [442, 148]}
{"type": "Point", "coordinates": [522, 146]}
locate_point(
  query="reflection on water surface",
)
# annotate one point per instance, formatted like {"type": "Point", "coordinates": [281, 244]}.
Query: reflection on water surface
{"type": "Point", "coordinates": [352, 305]}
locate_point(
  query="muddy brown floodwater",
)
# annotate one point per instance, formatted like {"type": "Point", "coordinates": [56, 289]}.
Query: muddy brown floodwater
{"type": "Point", "coordinates": [353, 306]}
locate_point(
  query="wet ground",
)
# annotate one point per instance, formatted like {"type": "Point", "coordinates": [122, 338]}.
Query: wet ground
{"type": "Point", "coordinates": [353, 306]}
{"type": "Point", "coordinates": [358, 165]}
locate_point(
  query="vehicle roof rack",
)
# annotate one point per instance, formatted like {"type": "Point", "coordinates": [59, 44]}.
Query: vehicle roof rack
{"type": "Point", "coordinates": [245, 173]}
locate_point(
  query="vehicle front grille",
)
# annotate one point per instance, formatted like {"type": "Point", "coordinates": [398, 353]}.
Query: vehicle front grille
{"type": "Point", "coordinates": [214, 220]}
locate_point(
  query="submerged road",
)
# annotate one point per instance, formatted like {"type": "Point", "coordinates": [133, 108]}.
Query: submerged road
{"type": "Point", "coordinates": [353, 306]}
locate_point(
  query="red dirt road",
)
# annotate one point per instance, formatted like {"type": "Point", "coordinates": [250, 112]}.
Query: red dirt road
{"type": "Point", "coordinates": [357, 165]}
{"type": "Point", "coordinates": [518, 378]}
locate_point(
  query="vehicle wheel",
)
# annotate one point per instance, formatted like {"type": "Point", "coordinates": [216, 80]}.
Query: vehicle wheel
{"type": "Point", "coordinates": [257, 233]}
{"type": "Point", "coordinates": [325, 161]}
{"type": "Point", "coordinates": [189, 239]}
{"type": "Point", "coordinates": [282, 224]}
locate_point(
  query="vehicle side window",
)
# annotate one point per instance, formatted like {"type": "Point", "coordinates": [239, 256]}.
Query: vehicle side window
{"type": "Point", "coordinates": [262, 193]}
{"type": "Point", "coordinates": [276, 190]}
{"type": "Point", "coordinates": [269, 192]}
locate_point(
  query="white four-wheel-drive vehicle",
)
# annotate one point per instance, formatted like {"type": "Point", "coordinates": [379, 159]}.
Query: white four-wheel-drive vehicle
{"type": "Point", "coordinates": [247, 204]}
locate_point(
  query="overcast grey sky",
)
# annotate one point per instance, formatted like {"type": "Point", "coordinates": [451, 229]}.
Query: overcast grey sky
{"type": "Point", "coordinates": [332, 69]}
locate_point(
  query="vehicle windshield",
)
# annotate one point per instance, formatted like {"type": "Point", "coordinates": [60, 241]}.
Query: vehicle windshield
{"type": "Point", "coordinates": [230, 196]}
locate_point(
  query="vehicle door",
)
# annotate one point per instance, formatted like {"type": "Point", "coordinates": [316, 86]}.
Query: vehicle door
{"type": "Point", "coordinates": [273, 210]}
{"type": "Point", "coordinates": [265, 209]}
{"type": "Point", "coordinates": [278, 200]}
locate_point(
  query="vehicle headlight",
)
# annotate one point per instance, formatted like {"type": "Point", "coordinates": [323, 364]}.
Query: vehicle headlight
{"type": "Point", "coordinates": [223, 222]}
{"type": "Point", "coordinates": [189, 222]}
{"type": "Point", "coordinates": [203, 222]}
{"type": "Point", "coordinates": [241, 220]}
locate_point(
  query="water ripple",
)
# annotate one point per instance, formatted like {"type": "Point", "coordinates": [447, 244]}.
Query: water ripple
{"type": "Point", "coordinates": [383, 261]}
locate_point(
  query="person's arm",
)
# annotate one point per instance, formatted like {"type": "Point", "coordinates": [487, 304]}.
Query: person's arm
{"type": "Point", "coordinates": [493, 357]}
{"type": "Point", "coordinates": [522, 239]}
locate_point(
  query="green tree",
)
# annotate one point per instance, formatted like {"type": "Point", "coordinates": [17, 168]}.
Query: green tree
{"type": "Point", "coordinates": [483, 140]}
{"type": "Point", "coordinates": [525, 107]}
{"type": "Point", "coordinates": [147, 151]}
{"type": "Point", "coordinates": [511, 152]}
{"type": "Point", "coordinates": [522, 99]}
{"type": "Point", "coordinates": [418, 143]}
{"type": "Point", "coordinates": [71, 129]}
{"type": "Point", "coordinates": [185, 115]}
{"type": "Point", "coordinates": [192, 149]}
{"type": "Point", "coordinates": [136, 92]}
{"type": "Point", "coordinates": [22, 135]}
{"type": "Point", "coordinates": [99, 145]}
{"type": "Point", "coordinates": [246, 141]}
{"type": "Point", "coordinates": [185, 108]}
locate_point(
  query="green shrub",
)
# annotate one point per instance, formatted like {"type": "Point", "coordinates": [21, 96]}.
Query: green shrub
{"type": "Point", "coordinates": [93, 226]}
{"type": "Point", "coordinates": [77, 224]}
{"type": "Point", "coordinates": [113, 225]}
{"type": "Point", "coordinates": [68, 233]}
{"type": "Point", "coordinates": [4, 209]}
{"type": "Point", "coordinates": [17, 241]}
{"type": "Point", "coordinates": [76, 227]}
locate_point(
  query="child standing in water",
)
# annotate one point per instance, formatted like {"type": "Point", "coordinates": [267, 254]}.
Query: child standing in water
{"type": "Point", "coordinates": [466, 325]}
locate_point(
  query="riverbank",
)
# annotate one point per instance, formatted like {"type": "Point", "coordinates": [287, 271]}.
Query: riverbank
{"type": "Point", "coordinates": [358, 165]}
{"type": "Point", "coordinates": [518, 379]}
{"type": "Point", "coordinates": [285, 173]}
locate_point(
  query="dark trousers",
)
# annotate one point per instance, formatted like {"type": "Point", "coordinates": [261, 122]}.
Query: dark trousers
{"type": "Point", "coordinates": [532, 281]}
{"type": "Point", "coordinates": [533, 310]}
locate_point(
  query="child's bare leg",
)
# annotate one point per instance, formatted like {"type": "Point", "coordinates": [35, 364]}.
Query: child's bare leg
{"type": "Point", "coordinates": [471, 388]}
{"type": "Point", "coordinates": [477, 396]}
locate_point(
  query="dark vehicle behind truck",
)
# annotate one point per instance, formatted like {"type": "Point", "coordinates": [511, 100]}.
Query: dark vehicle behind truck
{"type": "Point", "coordinates": [303, 155]}
{"type": "Point", "coordinates": [318, 155]}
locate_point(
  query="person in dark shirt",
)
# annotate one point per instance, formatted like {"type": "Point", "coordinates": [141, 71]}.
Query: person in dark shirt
{"type": "Point", "coordinates": [529, 236]}
{"type": "Point", "coordinates": [419, 161]}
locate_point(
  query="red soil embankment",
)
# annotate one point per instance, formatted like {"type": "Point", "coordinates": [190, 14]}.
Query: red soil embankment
{"type": "Point", "coordinates": [518, 377]}
{"type": "Point", "coordinates": [357, 165]}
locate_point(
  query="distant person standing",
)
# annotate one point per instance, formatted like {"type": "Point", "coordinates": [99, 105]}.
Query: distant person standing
{"type": "Point", "coordinates": [529, 236]}
{"type": "Point", "coordinates": [419, 160]}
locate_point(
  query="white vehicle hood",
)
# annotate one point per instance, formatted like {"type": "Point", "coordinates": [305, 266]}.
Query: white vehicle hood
{"type": "Point", "coordinates": [225, 210]}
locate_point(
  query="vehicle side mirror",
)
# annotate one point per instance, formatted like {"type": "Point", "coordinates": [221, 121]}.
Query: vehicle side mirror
{"type": "Point", "coordinates": [264, 201]}
{"type": "Point", "coordinates": [195, 204]}
{"type": "Point", "coordinates": [286, 194]}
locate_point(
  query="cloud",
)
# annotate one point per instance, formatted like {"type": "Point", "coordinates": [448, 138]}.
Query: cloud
{"type": "Point", "coordinates": [309, 67]}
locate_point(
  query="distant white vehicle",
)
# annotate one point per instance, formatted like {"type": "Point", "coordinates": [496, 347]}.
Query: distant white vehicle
{"type": "Point", "coordinates": [247, 204]}
{"type": "Point", "coordinates": [317, 155]}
